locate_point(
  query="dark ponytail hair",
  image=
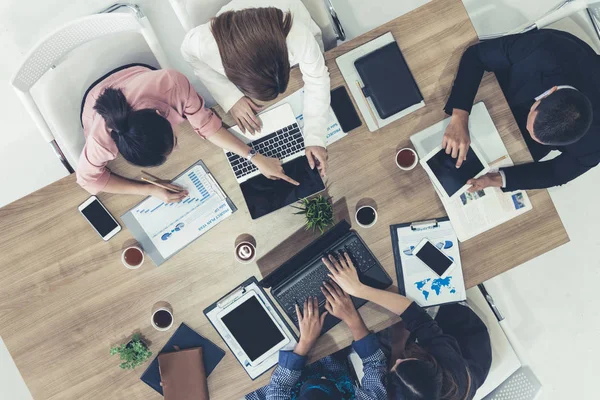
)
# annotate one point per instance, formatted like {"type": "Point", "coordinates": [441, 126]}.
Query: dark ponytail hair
{"type": "Point", "coordinates": [143, 137]}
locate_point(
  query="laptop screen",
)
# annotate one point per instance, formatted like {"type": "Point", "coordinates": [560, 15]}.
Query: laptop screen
{"type": "Point", "coordinates": [264, 195]}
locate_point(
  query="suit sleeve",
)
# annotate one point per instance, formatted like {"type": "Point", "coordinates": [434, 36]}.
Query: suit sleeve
{"type": "Point", "coordinates": [542, 175]}
{"type": "Point", "coordinates": [316, 84]}
{"type": "Point", "coordinates": [491, 55]}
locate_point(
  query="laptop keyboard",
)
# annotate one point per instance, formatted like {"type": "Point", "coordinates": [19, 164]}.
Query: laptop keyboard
{"type": "Point", "coordinates": [310, 283]}
{"type": "Point", "coordinates": [281, 144]}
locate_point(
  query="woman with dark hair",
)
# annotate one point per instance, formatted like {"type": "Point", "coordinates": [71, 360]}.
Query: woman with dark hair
{"type": "Point", "coordinates": [246, 53]}
{"type": "Point", "coordinates": [445, 359]}
{"type": "Point", "coordinates": [132, 111]}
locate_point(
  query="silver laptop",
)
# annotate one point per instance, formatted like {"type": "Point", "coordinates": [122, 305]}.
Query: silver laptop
{"type": "Point", "coordinates": [280, 137]}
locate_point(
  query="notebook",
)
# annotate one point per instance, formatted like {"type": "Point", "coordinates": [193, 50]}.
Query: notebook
{"type": "Point", "coordinates": [387, 80]}
{"type": "Point", "coordinates": [184, 338]}
{"type": "Point", "coordinates": [182, 375]}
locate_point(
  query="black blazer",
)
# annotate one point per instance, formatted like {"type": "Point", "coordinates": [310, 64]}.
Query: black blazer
{"type": "Point", "coordinates": [526, 66]}
{"type": "Point", "coordinates": [458, 339]}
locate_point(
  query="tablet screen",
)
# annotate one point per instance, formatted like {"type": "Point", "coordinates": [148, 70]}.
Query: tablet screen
{"type": "Point", "coordinates": [451, 178]}
{"type": "Point", "coordinates": [265, 195]}
{"type": "Point", "coordinates": [253, 328]}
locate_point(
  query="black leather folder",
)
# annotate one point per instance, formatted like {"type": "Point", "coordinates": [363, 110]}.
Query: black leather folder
{"type": "Point", "coordinates": [388, 81]}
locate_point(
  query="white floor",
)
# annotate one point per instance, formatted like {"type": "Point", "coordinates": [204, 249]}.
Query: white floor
{"type": "Point", "coordinates": [551, 301]}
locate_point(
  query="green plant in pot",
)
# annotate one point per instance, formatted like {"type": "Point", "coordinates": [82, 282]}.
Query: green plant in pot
{"type": "Point", "coordinates": [318, 212]}
{"type": "Point", "coordinates": [134, 353]}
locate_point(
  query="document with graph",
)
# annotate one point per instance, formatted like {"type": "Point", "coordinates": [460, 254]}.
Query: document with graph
{"type": "Point", "coordinates": [163, 229]}
{"type": "Point", "coordinates": [415, 279]}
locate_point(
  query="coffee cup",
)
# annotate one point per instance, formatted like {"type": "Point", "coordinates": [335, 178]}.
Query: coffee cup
{"type": "Point", "coordinates": [406, 159]}
{"type": "Point", "coordinates": [245, 249]}
{"type": "Point", "coordinates": [162, 316]}
{"type": "Point", "coordinates": [366, 216]}
{"type": "Point", "coordinates": [132, 257]}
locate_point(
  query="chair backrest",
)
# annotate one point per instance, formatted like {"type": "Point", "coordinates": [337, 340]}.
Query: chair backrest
{"type": "Point", "coordinates": [522, 385]}
{"type": "Point", "coordinates": [192, 13]}
{"type": "Point", "coordinates": [66, 62]}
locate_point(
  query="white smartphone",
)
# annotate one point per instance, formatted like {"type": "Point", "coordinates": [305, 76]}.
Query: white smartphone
{"type": "Point", "coordinates": [99, 218]}
{"type": "Point", "coordinates": [434, 258]}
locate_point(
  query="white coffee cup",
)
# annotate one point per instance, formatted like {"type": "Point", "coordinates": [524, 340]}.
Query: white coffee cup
{"type": "Point", "coordinates": [245, 248]}
{"type": "Point", "coordinates": [130, 266]}
{"type": "Point", "coordinates": [413, 165]}
{"type": "Point", "coordinates": [162, 307]}
{"type": "Point", "coordinates": [374, 219]}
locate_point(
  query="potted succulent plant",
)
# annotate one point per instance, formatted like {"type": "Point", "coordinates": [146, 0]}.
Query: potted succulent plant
{"type": "Point", "coordinates": [318, 212]}
{"type": "Point", "coordinates": [133, 353]}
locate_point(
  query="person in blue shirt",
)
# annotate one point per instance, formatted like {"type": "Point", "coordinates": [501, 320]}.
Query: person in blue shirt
{"type": "Point", "coordinates": [330, 377]}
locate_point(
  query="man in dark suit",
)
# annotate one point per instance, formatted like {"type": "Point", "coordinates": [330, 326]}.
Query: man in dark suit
{"type": "Point", "coordinates": [551, 81]}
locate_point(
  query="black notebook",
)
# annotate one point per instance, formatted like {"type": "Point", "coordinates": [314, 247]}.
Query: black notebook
{"type": "Point", "coordinates": [388, 81]}
{"type": "Point", "coordinates": [184, 338]}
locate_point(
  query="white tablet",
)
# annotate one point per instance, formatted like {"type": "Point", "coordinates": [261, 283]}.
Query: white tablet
{"type": "Point", "coordinates": [452, 181]}
{"type": "Point", "coordinates": [253, 328]}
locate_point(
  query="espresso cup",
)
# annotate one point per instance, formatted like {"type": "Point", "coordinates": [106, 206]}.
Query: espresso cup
{"type": "Point", "coordinates": [132, 257]}
{"type": "Point", "coordinates": [366, 216]}
{"type": "Point", "coordinates": [245, 249]}
{"type": "Point", "coordinates": [162, 316]}
{"type": "Point", "coordinates": [406, 159]}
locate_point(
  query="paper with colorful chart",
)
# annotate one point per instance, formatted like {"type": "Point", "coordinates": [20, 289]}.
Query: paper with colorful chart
{"type": "Point", "coordinates": [421, 284]}
{"type": "Point", "coordinates": [172, 226]}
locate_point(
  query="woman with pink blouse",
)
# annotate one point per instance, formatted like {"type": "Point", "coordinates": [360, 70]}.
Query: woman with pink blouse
{"type": "Point", "coordinates": [132, 111]}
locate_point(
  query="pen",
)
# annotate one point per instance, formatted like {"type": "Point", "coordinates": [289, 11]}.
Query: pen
{"type": "Point", "coordinates": [170, 189]}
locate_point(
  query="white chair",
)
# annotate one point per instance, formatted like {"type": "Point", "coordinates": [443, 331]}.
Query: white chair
{"type": "Point", "coordinates": [565, 9]}
{"type": "Point", "coordinates": [192, 13]}
{"type": "Point", "coordinates": [57, 71]}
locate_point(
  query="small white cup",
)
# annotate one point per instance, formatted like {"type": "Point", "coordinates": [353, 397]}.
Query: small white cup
{"type": "Point", "coordinates": [132, 266]}
{"type": "Point", "coordinates": [414, 164]}
{"type": "Point", "coordinates": [162, 306]}
{"type": "Point", "coordinates": [372, 223]}
{"type": "Point", "coordinates": [245, 252]}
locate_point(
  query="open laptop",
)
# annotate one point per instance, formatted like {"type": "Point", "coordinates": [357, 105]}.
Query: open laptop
{"type": "Point", "coordinates": [281, 138]}
{"type": "Point", "coordinates": [303, 274]}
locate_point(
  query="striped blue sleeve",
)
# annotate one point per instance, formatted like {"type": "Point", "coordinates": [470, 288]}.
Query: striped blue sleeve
{"type": "Point", "coordinates": [285, 376]}
{"type": "Point", "coordinates": [373, 383]}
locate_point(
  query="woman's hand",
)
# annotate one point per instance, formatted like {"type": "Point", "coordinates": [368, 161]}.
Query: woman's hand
{"type": "Point", "coordinates": [271, 168]}
{"type": "Point", "coordinates": [311, 325]}
{"type": "Point", "coordinates": [166, 195]}
{"type": "Point", "coordinates": [339, 304]}
{"type": "Point", "coordinates": [317, 157]}
{"type": "Point", "coordinates": [243, 112]}
{"type": "Point", "coordinates": [343, 273]}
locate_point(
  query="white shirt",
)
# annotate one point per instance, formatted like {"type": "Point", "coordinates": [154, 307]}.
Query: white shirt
{"type": "Point", "coordinates": [540, 97]}
{"type": "Point", "coordinates": [305, 49]}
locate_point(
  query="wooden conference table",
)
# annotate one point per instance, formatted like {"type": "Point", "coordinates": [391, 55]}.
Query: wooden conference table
{"type": "Point", "coordinates": [65, 297]}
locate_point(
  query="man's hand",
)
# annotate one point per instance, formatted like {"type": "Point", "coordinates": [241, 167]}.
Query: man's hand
{"type": "Point", "coordinates": [272, 168]}
{"type": "Point", "coordinates": [339, 304]}
{"type": "Point", "coordinates": [311, 325]}
{"type": "Point", "coordinates": [317, 157]}
{"type": "Point", "coordinates": [456, 138]}
{"type": "Point", "coordinates": [166, 195]}
{"type": "Point", "coordinates": [343, 273]}
{"type": "Point", "coordinates": [243, 112]}
{"type": "Point", "coordinates": [487, 180]}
